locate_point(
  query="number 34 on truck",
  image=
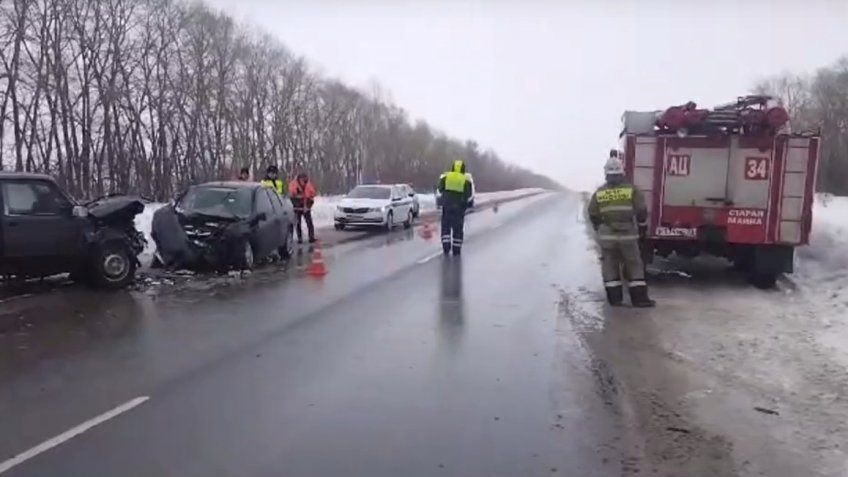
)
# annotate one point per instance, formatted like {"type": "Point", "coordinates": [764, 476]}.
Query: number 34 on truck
{"type": "Point", "coordinates": [733, 181]}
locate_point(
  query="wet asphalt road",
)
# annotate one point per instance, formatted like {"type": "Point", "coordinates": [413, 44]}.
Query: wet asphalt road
{"type": "Point", "coordinates": [398, 362]}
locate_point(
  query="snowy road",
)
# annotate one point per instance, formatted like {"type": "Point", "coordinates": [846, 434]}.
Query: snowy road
{"type": "Point", "coordinates": [401, 363]}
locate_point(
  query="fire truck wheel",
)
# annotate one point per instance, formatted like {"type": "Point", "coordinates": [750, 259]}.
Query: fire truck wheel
{"type": "Point", "coordinates": [764, 281]}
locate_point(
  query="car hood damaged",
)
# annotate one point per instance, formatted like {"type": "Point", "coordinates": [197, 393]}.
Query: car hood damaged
{"type": "Point", "coordinates": [119, 208]}
{"type": "Point", "coordinates": [113, 218]}
{"type": "Point", "coordinates": [197, 241]}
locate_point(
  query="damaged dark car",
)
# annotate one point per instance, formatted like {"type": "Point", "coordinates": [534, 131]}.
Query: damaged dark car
{"type": "Point", "coordinates": [221, 226]}
{"type": "Point", "coordinates": [44, 232]}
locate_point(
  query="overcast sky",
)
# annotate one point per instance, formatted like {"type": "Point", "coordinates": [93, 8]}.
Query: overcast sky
{"type": "Point", "coordinates": [544, 83]}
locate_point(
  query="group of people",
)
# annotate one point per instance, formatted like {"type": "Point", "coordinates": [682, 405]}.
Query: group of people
{"type": "Point", "coordinates": [618, 213]}
{"type": "Point", "coordinates": [301, 191]}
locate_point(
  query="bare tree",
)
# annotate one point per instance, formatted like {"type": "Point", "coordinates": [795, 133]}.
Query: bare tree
{"type": "Point", "coordinates": [819, 102]}
{"type": "Point", "coordinates": [148, 96]}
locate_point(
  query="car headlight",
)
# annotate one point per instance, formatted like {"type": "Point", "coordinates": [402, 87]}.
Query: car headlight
{"type": "Point", "coordinates": [339, 208]}
{"type": "Point", "coordinates": [376, 209]}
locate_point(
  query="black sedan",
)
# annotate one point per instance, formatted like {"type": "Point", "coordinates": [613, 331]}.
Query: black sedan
{"type": "Point", "coordinates": [223, 226]}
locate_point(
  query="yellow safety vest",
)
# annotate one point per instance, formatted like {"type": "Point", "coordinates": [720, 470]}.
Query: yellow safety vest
{"type": "Point", "coordinates": [455, 182]}
{"type": "Point", "coordinates": [277, 184]}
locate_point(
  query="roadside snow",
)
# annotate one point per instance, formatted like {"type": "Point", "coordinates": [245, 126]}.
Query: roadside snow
{"type": "Point", "coordinates": [828, 249]}
{"type": "Point", "coordinates": [322, 213]}
{"type": "Point", "coordinates": [325, 206]}
{"type": "Point", "coordinates": [143, 222]}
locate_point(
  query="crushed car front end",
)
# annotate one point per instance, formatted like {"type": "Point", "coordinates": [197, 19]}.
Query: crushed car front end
{"type": "Point", "coordinates": [198, 242]}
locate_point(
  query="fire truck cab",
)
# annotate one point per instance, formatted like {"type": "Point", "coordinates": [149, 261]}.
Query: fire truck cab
{"type": "Point", "coordinates": [733, 181]}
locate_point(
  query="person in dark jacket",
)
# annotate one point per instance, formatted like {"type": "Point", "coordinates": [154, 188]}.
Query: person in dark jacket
{"type": "Point", "coordinates": [455, 189]}
{"type": "Point", "coordinates": [244, 174]}
{"type": "Point", "coordinates": [302, 194]}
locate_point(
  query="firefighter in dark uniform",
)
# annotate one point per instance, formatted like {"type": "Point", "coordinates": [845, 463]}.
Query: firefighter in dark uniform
{"type": "Point", "coordinates": [619, 215]}
{"type": "Point", "coordinates": [273, 181]}
{"type": "Point", "coordinates": [455, 189]}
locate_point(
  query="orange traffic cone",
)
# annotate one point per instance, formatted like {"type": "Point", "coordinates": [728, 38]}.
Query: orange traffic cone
{"type": "Point", "coordinates": [317, 267]}
{"type": "Point", "coordinates": [427, 230]}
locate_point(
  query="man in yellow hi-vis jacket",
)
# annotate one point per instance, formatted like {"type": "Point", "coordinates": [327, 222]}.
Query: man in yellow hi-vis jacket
{"type": "Point", "coordinates": [455, 189]}
{"type": "Point", "coordinates": [619, 216]}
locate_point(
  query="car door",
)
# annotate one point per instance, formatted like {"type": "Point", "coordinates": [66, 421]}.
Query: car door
{"type": "Point", "coordinates": [279, 234]}
{"type": "Point", "coordinates": [414, 199]}
{"type": "Point", "coordinates": [267, 230]}
{"type": "Point", "coordinates": [286, 212]}
{"type": "Point", "coordinates": [38, 222]}
{"type": "Point", "coordinates": [400, 204]}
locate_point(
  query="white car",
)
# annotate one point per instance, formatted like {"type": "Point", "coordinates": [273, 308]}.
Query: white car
{"type": "Point", "coordinates": [375, 205]}
{"type": "Point", "coordinates": [409, 191]}
{"type": "Point", "coordinates": [470, 200]}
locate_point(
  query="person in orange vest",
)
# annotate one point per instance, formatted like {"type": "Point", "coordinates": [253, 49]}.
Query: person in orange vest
{"type": "Point", "coordinates": [302, 194]}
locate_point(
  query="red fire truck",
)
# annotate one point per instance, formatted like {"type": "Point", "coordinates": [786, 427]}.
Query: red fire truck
{"type": "Point", "coordinates": [733, 181]}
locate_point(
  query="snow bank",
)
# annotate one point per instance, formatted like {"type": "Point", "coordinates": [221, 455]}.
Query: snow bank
{"type": "Point", "coordinates": [828, 247]}
{"type": "Point", "coordinates": [484, 197]}
{"type": "Point", "coordinates": [143, 222]}
{"type": "Point", "coordinates": [325, 206]}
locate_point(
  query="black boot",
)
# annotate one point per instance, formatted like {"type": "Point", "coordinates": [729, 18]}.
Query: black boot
{"type": "Point", "coordinates": [615, 295]}
{"type": "Point", "coordinates": [446, 248]}
{"type": "Point", "coordinates": [457, 251]}
{"type": "Point", "coordinates": [639, 297]}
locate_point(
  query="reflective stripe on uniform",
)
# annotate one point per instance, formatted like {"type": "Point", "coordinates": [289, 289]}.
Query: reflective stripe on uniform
{"type": "Point", "coordinates": [618, 238]}
{"type": "Point", "coordinates": [615, 194]}
{"type": "Point", "coordinates": [615, 208]}
{"type": "Point", "coordinates": [638, 283]}
{"type": "Point", "coordinates": [612, 284]}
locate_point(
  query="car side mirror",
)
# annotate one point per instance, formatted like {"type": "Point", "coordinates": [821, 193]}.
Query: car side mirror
{"type": "Point", "coordinates": [412, 194]}
{"type": "Point", "coordinates": [78, 211]}
{"type": "Point", "coordinates": [258, 218]}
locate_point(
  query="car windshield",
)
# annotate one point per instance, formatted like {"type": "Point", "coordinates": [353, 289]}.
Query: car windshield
{"type": "Point", "coordinates": [217, 201]}
{"type": "Point", "coordinates": [370, 192]}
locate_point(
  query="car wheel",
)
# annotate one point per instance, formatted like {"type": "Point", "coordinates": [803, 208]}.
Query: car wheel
{"type": "Point", "coordinates": [764, 281]}
{"type": "Point", "coordinates": [245, 256]}
{"type": "Point", "coordinates": [113, 268]}
{"type": "Point", "coordinates": [287, 249]}
{"type": "Point", "coordinates": [390, 221]}
{"type": "Point", "coordinates": [340, 226]}
{"type": "Point", "coordinates": [409, 218]}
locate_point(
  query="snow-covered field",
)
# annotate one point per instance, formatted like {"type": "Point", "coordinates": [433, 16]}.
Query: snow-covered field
{"type": "Point", "coordinates": [827, 253]}
{"type": "Point", "coordinates": [322, 212]}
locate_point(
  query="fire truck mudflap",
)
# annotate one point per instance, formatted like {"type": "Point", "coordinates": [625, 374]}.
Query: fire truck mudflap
{"type": "Point", "coordinates": [731, 182]}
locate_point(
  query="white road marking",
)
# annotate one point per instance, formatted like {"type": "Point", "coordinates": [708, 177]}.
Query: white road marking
{"type": "Point", "coordinates": [430, 257]}
{"type": "Point", "coordinates": [70, 434]}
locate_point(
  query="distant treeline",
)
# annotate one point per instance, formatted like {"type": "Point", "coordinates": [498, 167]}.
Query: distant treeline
{"type": "Point", "coordinates": [819, 101]}
{"type": "Point", "coordinates": [147, 96]}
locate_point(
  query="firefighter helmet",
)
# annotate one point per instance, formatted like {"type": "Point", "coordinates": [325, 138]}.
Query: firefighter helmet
{"type": "Point", "coordinates": [613, 166]}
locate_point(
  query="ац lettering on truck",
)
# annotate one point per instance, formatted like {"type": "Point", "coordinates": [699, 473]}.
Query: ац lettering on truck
{"type": "Point", "coordinates": [733, 181]}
